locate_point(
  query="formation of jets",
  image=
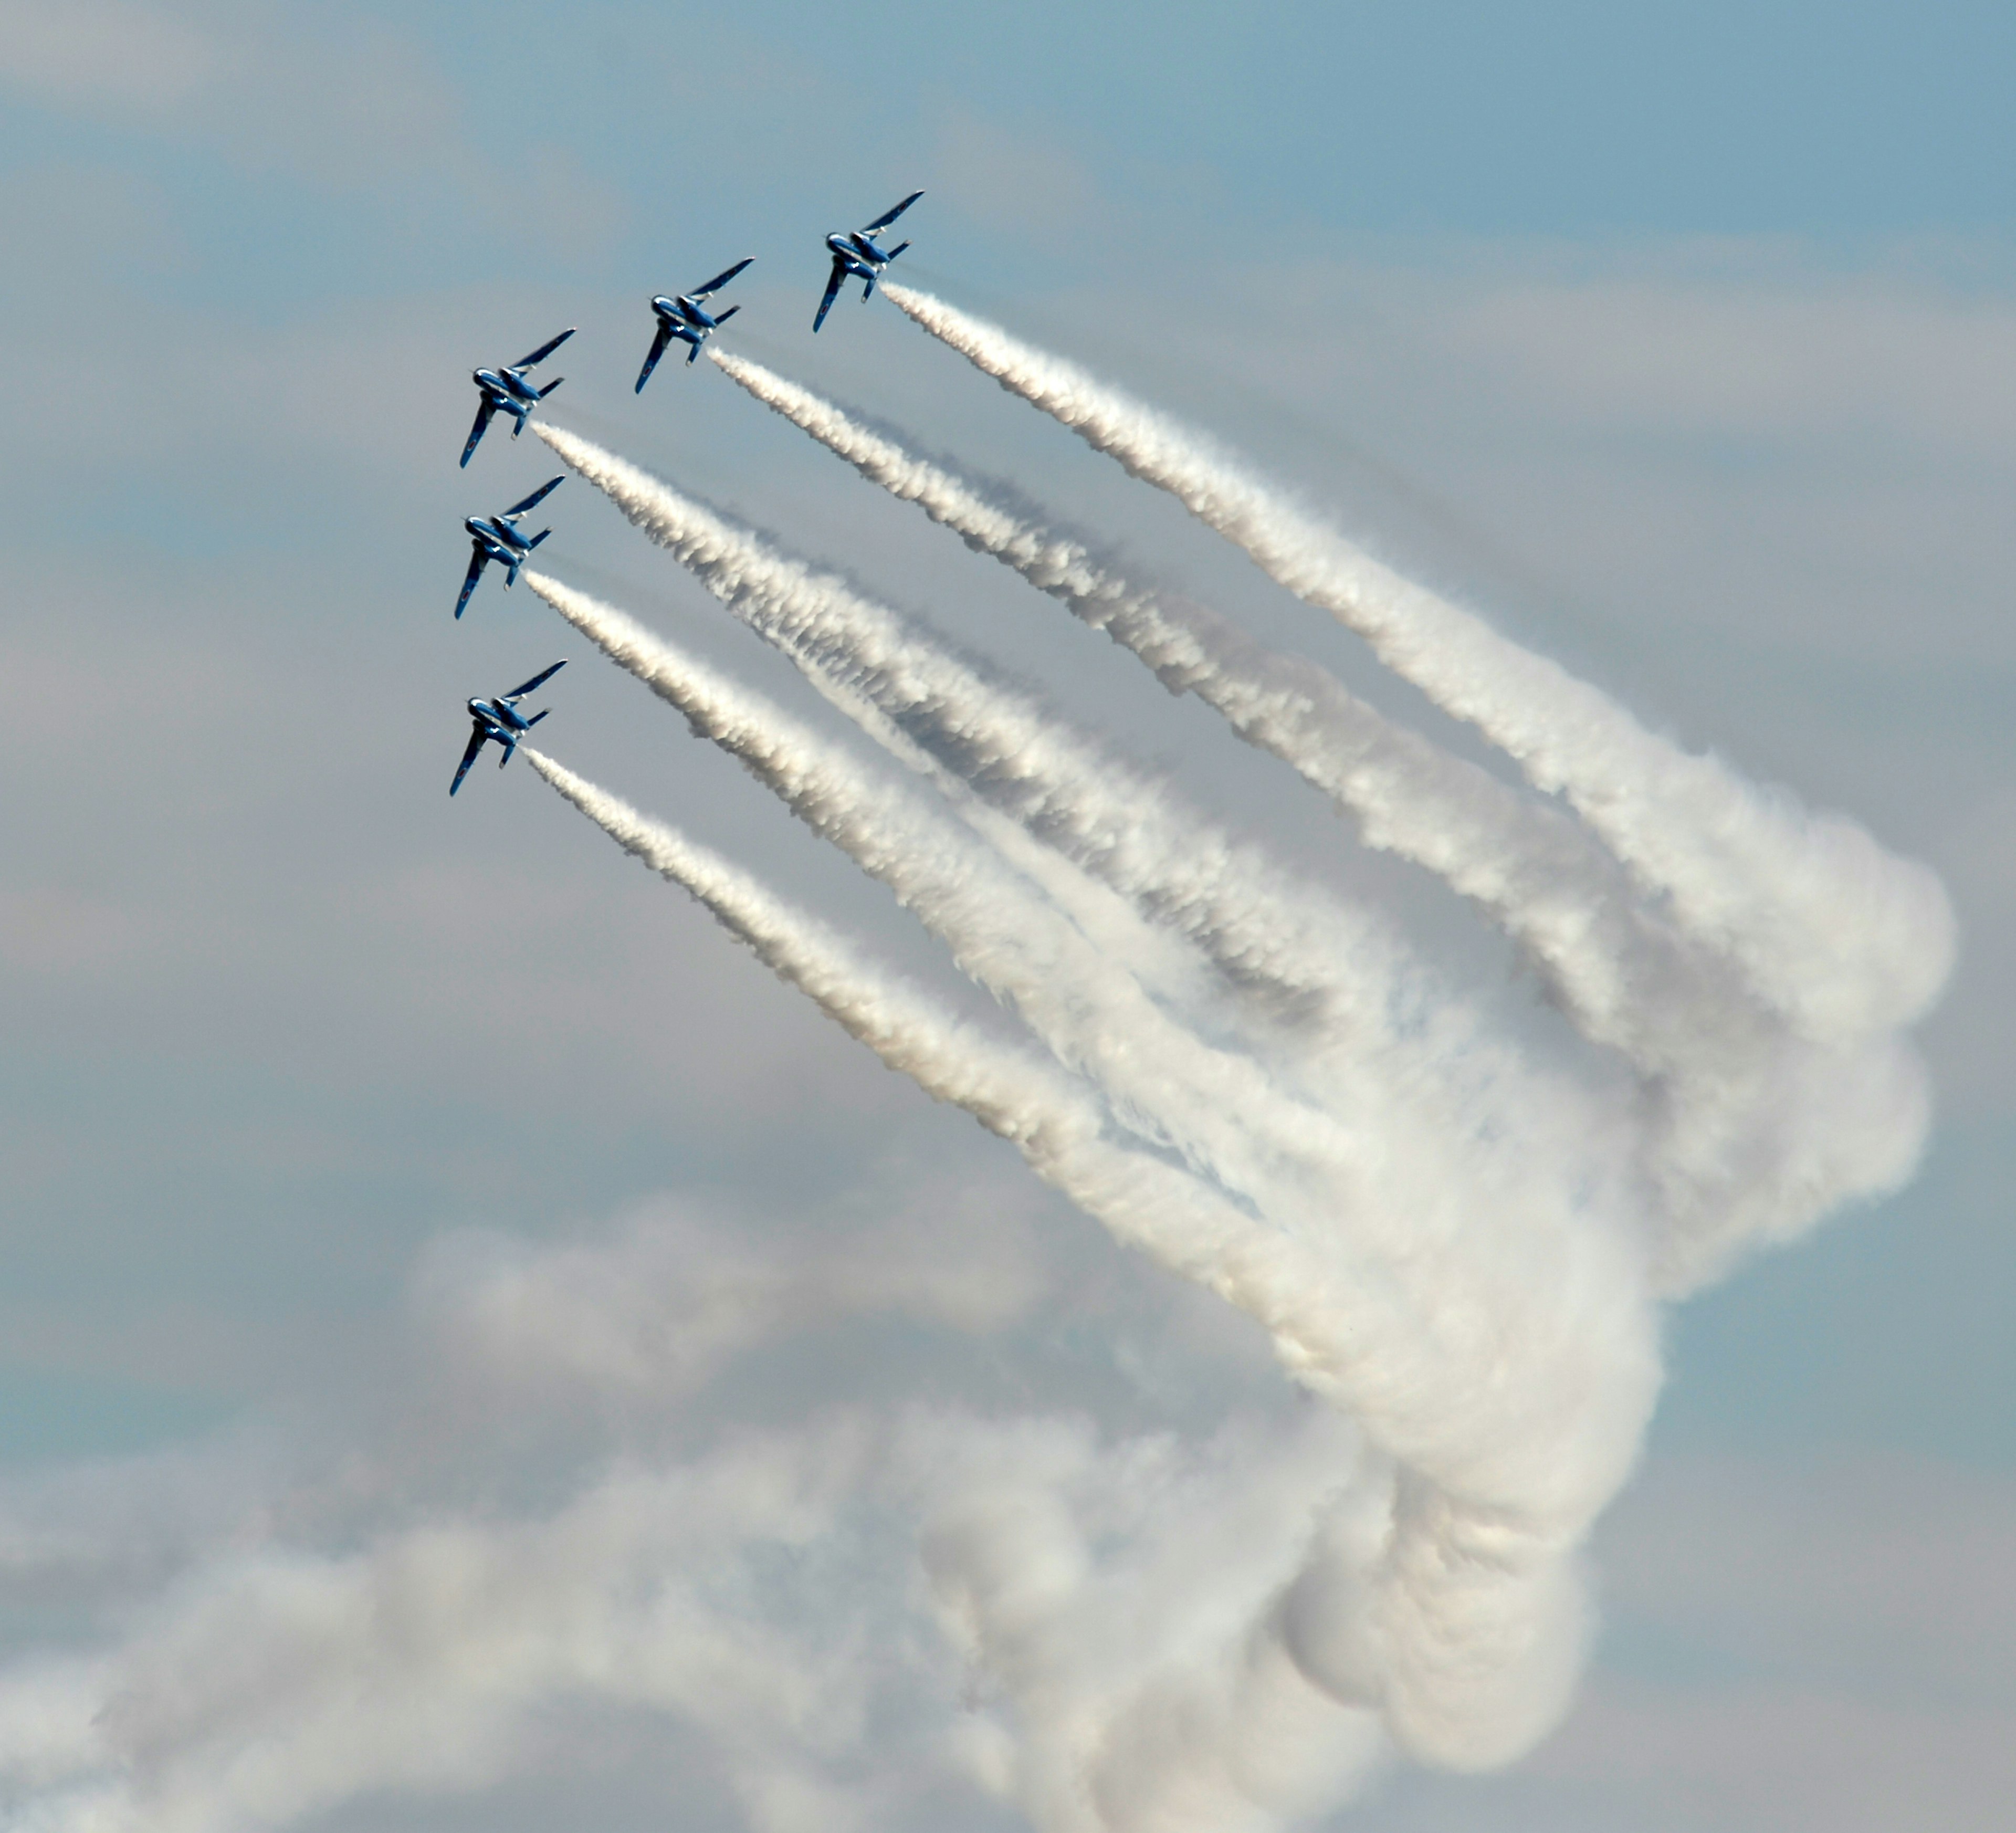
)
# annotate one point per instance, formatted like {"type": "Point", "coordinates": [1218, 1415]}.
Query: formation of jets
{"type": "Point", "coordinates": [681, 317]}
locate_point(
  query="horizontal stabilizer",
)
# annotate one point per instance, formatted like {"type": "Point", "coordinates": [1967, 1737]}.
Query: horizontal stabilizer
{"type": "Point", "coordinates": [898, 249]}
{"type": "Point", "coordinates": [537, 539]}
{"type": "Point", "coordinates": [725, 316]}
{"type": "Point", "coordinates": [537, 717]}
{"type": "Point", "coordinates": [551, 386]}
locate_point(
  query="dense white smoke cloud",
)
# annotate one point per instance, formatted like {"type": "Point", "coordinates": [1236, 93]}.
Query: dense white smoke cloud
{"type": "Point", "coordinates": [1384, 1234]}
{"type": "Point", "coordinates": [891, 1612]}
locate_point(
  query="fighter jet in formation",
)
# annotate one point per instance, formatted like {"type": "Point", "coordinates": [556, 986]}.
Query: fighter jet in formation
{"type": "Point", "coordinates": [856, 257]}
{"type": "Point", "coordinates": [500, 720]}
{"type": "Point", "coordinates": [496, 537]}
{"type": "Point", "coordinates": [686, 318]}
{"type": "Point", "coordinates": [509, 389]}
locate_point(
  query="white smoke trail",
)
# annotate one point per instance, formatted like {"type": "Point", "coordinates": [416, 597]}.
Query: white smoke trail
{"type": "Point", "coordinates": [1215, 1106]}
{"type": "Point", "coordinates": [1539, 876]}
{"type": "Point", "coordinates": [1251, 916]}
{"type": "Point", "coordinates": [1474, 1610]}
{"type": "Point", "coordinates": [1842, 936]}
{"type": "Point", "coordinates": [1749, 1133]}
{"type": "Point", "coordinates": [1052, 1118]}
{"type": "Point", "coordinates": [1388, 1024]}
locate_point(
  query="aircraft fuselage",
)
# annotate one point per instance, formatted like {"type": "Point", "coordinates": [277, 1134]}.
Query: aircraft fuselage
{"type": "Point", "coordinates": [859, 252]}
{"type": "Point", "coordinates": [500, 536]}
{"type": "Point", "coordinates": [685, 312]}
{"type": "Point", "coordinates": [502, 720]}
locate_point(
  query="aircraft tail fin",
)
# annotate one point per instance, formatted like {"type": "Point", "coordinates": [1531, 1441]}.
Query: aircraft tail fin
{"type": "Point", "coordinates": [537, 539]}
{"type": "Point", "coordinates": [551, 386]}
{"type": "Point", "coordinates": [511, 574]}
{"type": "Point", "coordinates": [510, 745]}
{"type": "Point", "coordinates": [898, 249]}
{"type": "Point", "coordinates": [725, 316]}
{"type": "Point", "coordinates": [537, 717]}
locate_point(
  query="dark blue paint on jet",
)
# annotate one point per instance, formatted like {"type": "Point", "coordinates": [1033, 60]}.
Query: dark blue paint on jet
{"type": "Point", "coordinates": [509, 389]}
{"type": "Point", "coordinates": [686, 318]}
{"type": "Point", "coordinates": [496, 537]}
{"type": "Point", "coordinates": [500, 720]}
{"type": "Point", "coordinates": [856, 257]}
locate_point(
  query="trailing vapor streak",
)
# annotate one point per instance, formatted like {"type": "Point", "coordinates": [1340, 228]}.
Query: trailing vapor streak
{"type": "Point", "coordinates": [1263, 927]}
{"type": "Point", "coordinates": [1215, 1107]}
{"type": "Point", "coordinates": [1756, 1133]}
{"type": "Point", "coordinates": [1843, 936]}
{"type": "Point", "coordinates": [1465, 1632]}
{"type": "Point", "coordinates": [1536, 873]}
{"type": "Point", "coordinates": [1049, 1115]}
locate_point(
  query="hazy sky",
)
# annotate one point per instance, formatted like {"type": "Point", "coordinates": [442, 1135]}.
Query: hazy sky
{"type": "Point", "coordinates": [1681, 339]}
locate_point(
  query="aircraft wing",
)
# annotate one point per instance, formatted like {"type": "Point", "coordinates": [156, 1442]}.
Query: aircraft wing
{"type": "Point", "coordinates": [518, 694]}
{"type": "Point", "coordinates": [478, 561]}
{"type": "Point", "coordinates": [537, 496]}
{"type": "Point", "coordinates": [545, 349]}
{"type": "Point", "coordinates": [719, 280]}
{"type": "Point", "coordinates": [889, 216]}
{"type": "Point", "coordinates": [476, 738]}
{"type": "Point", "coordinates": [475, 432]}
{"type": "Point", "coordinates": [832, 290]}
{"type": "Point", "coordinates": [665, 336]}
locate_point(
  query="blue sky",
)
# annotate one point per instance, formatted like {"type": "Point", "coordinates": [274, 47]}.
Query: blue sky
{"type": "Point", "coordinates": [1683, 340]}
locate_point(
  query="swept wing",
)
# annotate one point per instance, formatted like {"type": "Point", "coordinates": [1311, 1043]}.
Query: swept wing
{"type": "Point", "coordinates": [545, 349]}
{"type": "Point", "coordinates": [720, 279]}
{"type": "Point", "coordinates": [518, 694]}
{"type": "Point", "coordinates": [483, 417]}
{"type": "Point", "coordinates": [658, 343]}
{"type": "Point", "coordinates": [537, 496]}
{"type": "Point", "coordinates": [478, 734]}
{"type": "Point", "coordinates": [478, 561]}
{"type": "Point", "coordinates": [832, 290]}
{"type": "Point", "coordinates": [889, 216]}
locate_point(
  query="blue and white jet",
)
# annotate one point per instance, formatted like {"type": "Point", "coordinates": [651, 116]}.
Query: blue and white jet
{"type": "Point", "coordinates": [500, 720]}
{"type": "Point", "coordinates": [509, 389]}
{"type": "Point", "coordinates": [496, 537]}
{"type": "Point", "coordinates": [686, 318]}
{"type": "Point", "coordinates": [856, 257]}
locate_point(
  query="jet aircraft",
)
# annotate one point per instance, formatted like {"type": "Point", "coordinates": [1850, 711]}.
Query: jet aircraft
{"type": "Point", "coordinates": [686, 318]}
{"type": "Point", "coordinates": [856, 256]}
{"type": "Point", "coordinates": [496, 537]}
{"type": "Point", "coordinates": [500, 719]}
{"type": "Point", "coordinates": [509, 389]}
